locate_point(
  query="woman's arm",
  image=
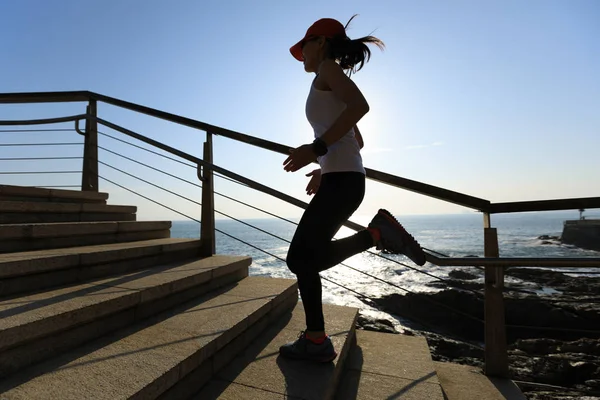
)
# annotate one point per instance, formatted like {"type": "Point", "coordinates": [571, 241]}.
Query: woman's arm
{"type": "Point", "coordinates": [347, 91]}
{"type": "Point", "coordinates": [358, 137]}
{"type": "Point", "coordinates": [356, 107]}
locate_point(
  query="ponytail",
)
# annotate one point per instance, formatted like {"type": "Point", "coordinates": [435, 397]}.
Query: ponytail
{"type": "Point", "coordinates": [351, 54]}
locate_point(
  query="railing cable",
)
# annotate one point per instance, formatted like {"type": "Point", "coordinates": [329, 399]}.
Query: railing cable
{"type": "Point", "coordinates": [200, 186]}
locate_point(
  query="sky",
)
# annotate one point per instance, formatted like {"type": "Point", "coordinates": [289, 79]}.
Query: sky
{"type": "Point", "coordinates": [495, 99]}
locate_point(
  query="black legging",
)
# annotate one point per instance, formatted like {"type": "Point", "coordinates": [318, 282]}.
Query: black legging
{"type": "Point", "coordinates": [312, 249]}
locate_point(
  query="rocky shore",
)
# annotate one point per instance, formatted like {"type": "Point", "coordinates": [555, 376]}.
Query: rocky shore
{"type": "Point", "coordinates": [563, 359]}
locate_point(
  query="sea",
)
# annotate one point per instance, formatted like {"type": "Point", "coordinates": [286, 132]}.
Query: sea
{"type": "Point", "coordinates": [459, 235]}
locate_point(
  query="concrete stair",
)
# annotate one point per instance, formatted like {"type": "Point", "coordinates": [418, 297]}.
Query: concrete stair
{"type": "Point", "coordinates": [41, 325]}
{"type": "Point", "coordinates": [37, 270]}
{"type": "Point", "coordinates": [388, 366]}
{"type": "Point", "coordinates": [24, 193]}
{"type": "Point", "coordinates": [26, 237]}
{"type": "Point", "coordinates": [148, 359]}
{"type": "Point", "coordinates": [116, 312]}
{"type": "Point", "coordinates": [463, 382]}
{"type": "Point", "coordinates": [29, 211]}
{"type": "Point", "coordinates": [260, 373]}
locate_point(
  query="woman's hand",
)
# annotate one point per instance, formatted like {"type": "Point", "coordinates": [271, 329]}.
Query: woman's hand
{"type": "Point", "coordinates": [314, 183]}
{"type": "Point", "coordinates": [299, 158]}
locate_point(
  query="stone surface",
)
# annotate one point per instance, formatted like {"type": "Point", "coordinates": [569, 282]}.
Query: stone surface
{"type": "Point", "coordinates": [463, 382]}
{"type": "Point", "coordinates": [32, 244]}
{"type": "Point", "coordinates": [30, 262]}
{"type": "Point", "coordinates": [368, 386]}
{"type": "Point", "coordinates": [8, 206]}
{"type": "Point", "coordinates": [33, 218]}
{"type": "Point", "coordinates": [53, 194]}
{"type": "Point", "coordinates": [233, 391]}
{"type": "Point", "coordinates": [387, 354]}
{"type": "Point", "coordinates": [383, 365]}
{"type": "Point", "coordinates": [42, 314]}
{"type": "Point", "coordinates": [261, 367]}
{"type": "Point", "coordinates": [144, 360]}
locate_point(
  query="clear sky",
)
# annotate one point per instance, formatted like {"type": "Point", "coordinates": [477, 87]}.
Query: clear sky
{"type": "Point", "coordinates": [497, 99]}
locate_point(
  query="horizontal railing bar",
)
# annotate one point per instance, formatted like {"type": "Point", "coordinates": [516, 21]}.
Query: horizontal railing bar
{"type": "Point", "coordinates": [56, 187]}
{"type": "Point", "coordinates": [44, 121]}
{"type": "Point", "coordinates": [39, 172]}
{"type": "Point", "coordinates": [35, 130]}
{"type": "Point", "coordinates": [44, 97]}
{"type": "Point", "coordinates": [429, 190]}
{"type": "Point", "coordinates": [40, 144]}
{"type": "Point", "coordinates": [180, 120]}
{"type": "Point", "coordinates": [251, 183]}
{"type": "Point", "coordinates": [379, 176]}
{"type": "Point", "coordinates": [421, 188]}
{"type": "Point", "coordinates": [546, 205]}
{"type": "Point", "coordinates": [39, 158]}
{"type": "Point", "coordinates": [513, 262]}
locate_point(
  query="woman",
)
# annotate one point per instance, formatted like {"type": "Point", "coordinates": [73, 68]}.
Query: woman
{"type": "Point", "coordinates": [333, 108]}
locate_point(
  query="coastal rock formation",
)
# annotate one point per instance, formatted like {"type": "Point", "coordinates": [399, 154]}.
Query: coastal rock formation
{"type": "Point", "coordinates": [566, 356]}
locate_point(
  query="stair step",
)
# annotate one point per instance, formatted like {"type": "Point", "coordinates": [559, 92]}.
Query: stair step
{"type": "Point", "coordinates": [385, 365]}
{"type": "Point", "coordinates": [33, 327]}
{"type": "Point", "coordinates": [145, 360]}
{"type": "Point", "coordinates": [26, 237]}
{"type": "Point", "coordinates": [8, 192]}
{"type": "Point", "coordinates": [35, 270]}
{"type": "Point", "coordinates": [464, 382]}
{"type": "Point", "coordinates": [260, 373]}
{"type": "Point", "coordinates": [23, 212]}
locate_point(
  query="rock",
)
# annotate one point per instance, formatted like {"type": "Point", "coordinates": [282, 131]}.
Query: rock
{"type": "Point", "coordinates": [537, 346]}
{"type": "Point", "coordinates": [567, 359]}
{"type": "Point", "coordinates": [456, 283]}
{"type": "Point", "coordinates": [460, 274]}
{"type": "Point", "coordinates": [580, 285]}
{"type": "Point", "coordinates": [547, 237]}
{"type": "Point", "coordinates": [377, 325]}
{"type": "Point", "coordinates": [593, 383]}
{"type": "Point", "coordinates": [587, 346]}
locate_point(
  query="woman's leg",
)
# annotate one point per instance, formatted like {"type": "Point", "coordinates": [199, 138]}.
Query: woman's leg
{"type": "Point", "coordinates": [312, 249]}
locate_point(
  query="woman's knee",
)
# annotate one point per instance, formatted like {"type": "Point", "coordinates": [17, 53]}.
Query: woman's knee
{"type": "Point", "coordinates": [300, 260]}
{"type": "Point", "coordinates": [294, 263]}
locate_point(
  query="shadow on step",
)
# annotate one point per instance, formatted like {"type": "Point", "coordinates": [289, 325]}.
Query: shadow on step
{"type": "Point", "coordinates": [191, 298]}
{"type": "Point", "coordinates": [88, 290]}
{"type": "Point", "coordinates": [351, 377]}
{"type": "Point", "coordinates": [250, 355]}
{"type": "Point", "coordinates": [411, 386]}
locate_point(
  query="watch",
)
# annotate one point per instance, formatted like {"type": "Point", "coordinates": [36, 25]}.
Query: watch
{"type": "Point", "coordinates": [319, 147]}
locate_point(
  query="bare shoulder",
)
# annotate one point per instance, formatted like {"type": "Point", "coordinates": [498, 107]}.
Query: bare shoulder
{"type": "Point", "coordinates": [330, 69]}
{"type": "Point", "coordinates": [333, 76]}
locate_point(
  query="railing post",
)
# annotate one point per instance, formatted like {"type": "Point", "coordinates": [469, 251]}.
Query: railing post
{"type": "Point", "coordinates": [89, 177]}
{"type": "Point", "coordinates": [496, 356]}
{"type": "Point", "coordinates": [207, 230]}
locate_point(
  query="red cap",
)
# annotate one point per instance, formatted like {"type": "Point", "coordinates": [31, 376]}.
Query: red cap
{"type": "Point", "coordinates": [327, 27]}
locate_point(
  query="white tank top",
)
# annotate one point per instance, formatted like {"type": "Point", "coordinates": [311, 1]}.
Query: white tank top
{"type": "Point", "coordinates": [322, 110]}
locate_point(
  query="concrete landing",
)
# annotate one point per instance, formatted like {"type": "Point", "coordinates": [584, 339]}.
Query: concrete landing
{"type": "Point", "coordinates": [463, 382]}
{"type": "Point", "coordinates": [388, 366]}
{"type": "Point", "coordinates": [260, 373]}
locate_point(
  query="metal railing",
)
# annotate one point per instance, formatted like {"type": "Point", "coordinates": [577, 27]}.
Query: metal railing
{"type": "Point", "coordinates": [496, 362]}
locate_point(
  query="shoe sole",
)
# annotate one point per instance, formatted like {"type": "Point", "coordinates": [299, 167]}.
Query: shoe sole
{"type": "Point", "coordinates": [411, 243]}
